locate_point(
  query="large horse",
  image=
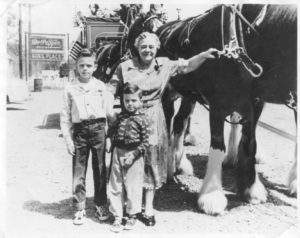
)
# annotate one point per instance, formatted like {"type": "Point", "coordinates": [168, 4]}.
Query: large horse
{"type": "Point", "coordinates": [266, 35]}
{"type": "Point", "coordinates": [227, 86]}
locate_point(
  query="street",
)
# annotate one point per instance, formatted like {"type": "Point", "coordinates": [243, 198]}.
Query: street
{"type": "Point", "coordinates": [38, 180]}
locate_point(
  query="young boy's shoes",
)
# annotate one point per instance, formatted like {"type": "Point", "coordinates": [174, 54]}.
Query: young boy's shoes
{"type": "Point", "coordinates": [130, 223]}
{"type": "Point", "coordinates": [117, 225]}
{"type": "Point", "coordinates": [79, 217]}
{"type": "Point", "coordinates": [102, 213]}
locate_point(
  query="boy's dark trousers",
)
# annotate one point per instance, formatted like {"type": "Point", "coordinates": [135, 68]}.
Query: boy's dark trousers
{"type": "Point", "coordinates": [89, 135]}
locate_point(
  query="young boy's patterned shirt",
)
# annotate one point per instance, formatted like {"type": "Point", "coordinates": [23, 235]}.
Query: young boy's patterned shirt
{"type": "Point", "coordinates": [130, 131]}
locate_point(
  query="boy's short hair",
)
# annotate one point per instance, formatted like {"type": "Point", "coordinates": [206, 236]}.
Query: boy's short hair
{"type": "Point", "coordinates": [130, 88]}
{"type": "Point", "coordinates": [86, 52]}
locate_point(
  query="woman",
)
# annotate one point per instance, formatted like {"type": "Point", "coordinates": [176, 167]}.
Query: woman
{"type": "Point", "coordinates": [152, 74]}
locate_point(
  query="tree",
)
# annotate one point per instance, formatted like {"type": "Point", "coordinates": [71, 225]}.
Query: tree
{"type": "Point", "coordinates": [64, 70]}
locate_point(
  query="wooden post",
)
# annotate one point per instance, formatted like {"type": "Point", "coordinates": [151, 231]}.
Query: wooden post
{"type": "Point", "coordinates": [29, 32]}
{"type": "Point", "coordinates": [26, 57]}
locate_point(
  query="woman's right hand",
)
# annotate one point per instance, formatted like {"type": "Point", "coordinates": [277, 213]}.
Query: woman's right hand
{"type": "Point", "coordinates": [211, 53]}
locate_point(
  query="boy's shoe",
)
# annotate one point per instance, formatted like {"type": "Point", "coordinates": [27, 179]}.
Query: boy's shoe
{"type": "Point", "coordinates": [102, 213]}
{"type": "Point", "coordinates": [79, 217]}
{"type": "Point", "coordinates": [147, 220]}
{"type": "Point", "coordinates": [117, 225]}
{"type": "Point", "coordinates": [130, 223]}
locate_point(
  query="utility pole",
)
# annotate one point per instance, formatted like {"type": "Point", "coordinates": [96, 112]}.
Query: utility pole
{"type": "Point", "coordinates": [29, 17]}
{"type": "Point", "coordinates": [178, 13]}
{"type": "Point", "coordinates": [20, 42]}
{"type": "Point", "coordinates": [28, 64]}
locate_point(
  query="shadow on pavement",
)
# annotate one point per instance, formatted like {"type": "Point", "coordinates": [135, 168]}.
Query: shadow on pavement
{"type": "Point", "coordinates": [182, 194]}
{"type": "Point", "coordinates": [61, 210]}
{"type": "Point", "coordinates": [51, 121]}
{"type": "Point", "coordinates": [15, 109]}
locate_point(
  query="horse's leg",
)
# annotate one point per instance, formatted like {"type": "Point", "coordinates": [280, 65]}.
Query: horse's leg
{"type": "Point", "coordinates": [248, 182]}
{"type": "Point", "coordinates": [293, 173]}
{"type": "Point", "coordinates": [234, 138]}
{"type": "Point", "coordinates": [189, 139]}
{"type": "Point", "coordinates": [233, 141]}
{"type": "Point", "coordinates": [179, 126]}
{"type": "Point", "coordinates": [211, 198]}
{"type": "Point", "coordinates": [168, 107]}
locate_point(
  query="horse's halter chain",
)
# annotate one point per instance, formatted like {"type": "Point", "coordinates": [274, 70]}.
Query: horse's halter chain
{"type": "Point", "coordinates": [232, 49]}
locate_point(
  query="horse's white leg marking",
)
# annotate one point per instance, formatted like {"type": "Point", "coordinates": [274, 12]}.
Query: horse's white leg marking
{"type": "Point", "coordinates": [293, 176]}
{"type": "Point", "coordinates": [177, 149]}
{"type": "Point", "coordinates": [256, 193]}
{"type": "Point", "coordinates": [260, 155]}
{"type": "Point", "coordinates": [211, 198]}
{"type": "Point", "coordinates": [178, 155]}
{"type": "Point", "coordinates": [233, 141]}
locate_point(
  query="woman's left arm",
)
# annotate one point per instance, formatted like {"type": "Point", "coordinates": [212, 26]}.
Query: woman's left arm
{"type": "Point", "coordinates": [196, 61]}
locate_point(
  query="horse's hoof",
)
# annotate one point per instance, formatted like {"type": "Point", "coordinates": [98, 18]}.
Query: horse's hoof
{"type": "Point", "coordinates": [213, 203]}
{"type": "Point", "coordinates": [256, 194]}
{"type": "Point", "coordinates": [185, 167]}
{"type": "Point", "coordinates": [293, 188]}
{"type": "Point", "coordinates": [190, 140]}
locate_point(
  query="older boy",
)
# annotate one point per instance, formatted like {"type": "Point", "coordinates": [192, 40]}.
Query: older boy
{"type": "Point", "coordinates": [83, 121]}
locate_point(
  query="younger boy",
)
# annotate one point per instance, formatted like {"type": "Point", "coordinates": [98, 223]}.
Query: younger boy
{"type": "Point", "coordinates": [83, 121]}
{"type": "Point", "coordinates": [130, 140]}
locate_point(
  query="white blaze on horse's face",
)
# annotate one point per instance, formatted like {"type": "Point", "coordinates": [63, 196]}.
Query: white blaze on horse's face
{"type": "Point", "coordinates": [155, 24]}
{"type": "Point", "coordinates": [147, 49]}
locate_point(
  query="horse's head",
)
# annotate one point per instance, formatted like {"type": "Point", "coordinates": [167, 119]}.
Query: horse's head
{"type": "Point", "coordinates": [107, 58]}
{"type": "Point", "coordinates": [129, 13]}
{"type": "Point", "coordinates": [151, 23]}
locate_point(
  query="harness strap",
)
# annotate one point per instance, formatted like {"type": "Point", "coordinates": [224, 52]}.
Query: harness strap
{"type": "Point", "coordinates": [149, 18]}
{"type": "Point", "coordinates": [191, 26]}
{"type": "Point", "coordinates": [232, 48]}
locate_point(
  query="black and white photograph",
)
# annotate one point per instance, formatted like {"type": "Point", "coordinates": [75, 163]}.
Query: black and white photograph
{"type": "Point", "coordinates": [148, 118]}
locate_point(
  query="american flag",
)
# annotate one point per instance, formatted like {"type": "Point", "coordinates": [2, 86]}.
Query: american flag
{"type": "Point", "coordinates": [75, 50]}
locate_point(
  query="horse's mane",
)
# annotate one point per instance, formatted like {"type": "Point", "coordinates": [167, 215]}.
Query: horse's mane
{"type": "Point", "coordinates": [282, 17]}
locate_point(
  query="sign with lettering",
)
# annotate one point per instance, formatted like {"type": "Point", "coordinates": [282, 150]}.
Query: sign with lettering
{"type": "Point", "coordinates": [43, 43]}
{"type": "Point", "coordinates": [47, 56]}
{"type": "Point", "coordinates": [46, 47]}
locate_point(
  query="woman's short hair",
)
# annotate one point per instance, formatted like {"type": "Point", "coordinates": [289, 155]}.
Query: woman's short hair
{"type": "Point", "coordinates": [145, 35]}
{"type": "Point", "coordinates": [130, 88]}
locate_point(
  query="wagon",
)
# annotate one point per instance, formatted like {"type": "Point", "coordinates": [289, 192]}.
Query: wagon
{"type": "Point", "coordinates": [99, 31]}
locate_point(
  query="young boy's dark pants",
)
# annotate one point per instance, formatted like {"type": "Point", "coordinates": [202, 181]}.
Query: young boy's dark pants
{"type": "Point", "coordinates": [89, 135]}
